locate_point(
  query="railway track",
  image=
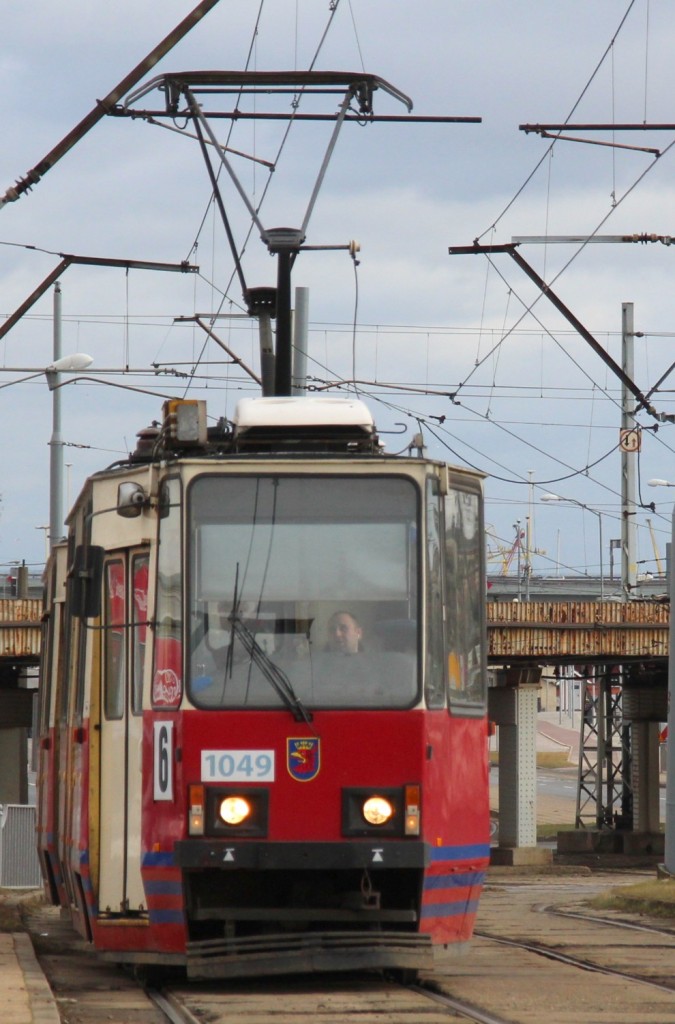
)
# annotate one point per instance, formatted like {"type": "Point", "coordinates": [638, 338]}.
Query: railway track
{"type": "Point", "coordinates": [367, 999]}
{"type": "Point", "coordinates": [542, 955]}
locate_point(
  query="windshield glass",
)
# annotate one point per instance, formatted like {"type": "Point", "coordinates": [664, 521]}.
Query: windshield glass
{"type": "Point", "coordinates": [303, 585]}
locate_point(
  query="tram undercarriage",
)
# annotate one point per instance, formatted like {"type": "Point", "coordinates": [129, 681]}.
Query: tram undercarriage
{"type": "Point", "coordinates": [332, 912]}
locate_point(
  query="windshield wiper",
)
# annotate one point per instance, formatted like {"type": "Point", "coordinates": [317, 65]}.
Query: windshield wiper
{"type": "Point", "coordinates": [275, 676]}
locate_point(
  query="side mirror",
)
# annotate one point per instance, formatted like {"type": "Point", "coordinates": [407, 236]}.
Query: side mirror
{"type": "Point", "coordinates": [84, 583]}
{"type": "Point", "coordinates": [131, 500]}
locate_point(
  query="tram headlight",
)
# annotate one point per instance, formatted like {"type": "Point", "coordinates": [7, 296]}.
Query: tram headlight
{"type": "Point", "coordinates": [234, 810]}
{"type": "Point", "coordinates": [377, 810]}
{"type": "Point", "coordinates": [237, 811]}
{"type": "Point", "coordinates": [367, 811]}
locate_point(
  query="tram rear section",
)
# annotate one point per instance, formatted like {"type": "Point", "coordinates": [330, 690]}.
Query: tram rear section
{"type": "Point", "coordinates": [263, 736]}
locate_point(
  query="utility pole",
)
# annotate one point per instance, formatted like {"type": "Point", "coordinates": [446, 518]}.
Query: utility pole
{"type": "Point", "coordinates": [56, 442]}
{"type": "Point", "coordinates": [628, 523]}
{"type": "Point", "coordinates": [644, 731]}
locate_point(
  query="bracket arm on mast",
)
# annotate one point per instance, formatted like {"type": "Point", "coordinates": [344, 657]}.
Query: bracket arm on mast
{"type": "Point", "coordinates": [511, 250]}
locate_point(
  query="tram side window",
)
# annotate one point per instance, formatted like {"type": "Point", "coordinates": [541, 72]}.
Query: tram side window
{"type": "Point", "coordinates": [434, 678]}
{"type": "Point", "coordinates": [70, 626]}
{"type": "Point", "coordinates": [49, 643]}
{"type": "Point", "coordinates": [167, 679]}
{"type": "Point", "coordinates": [114, 633]}
{"type": "Point", "coordinates": [465, 586]}
{"type": "Point", "coordinates": [89, 558]}
{"type": "Point", "coordinates": [139, 610]}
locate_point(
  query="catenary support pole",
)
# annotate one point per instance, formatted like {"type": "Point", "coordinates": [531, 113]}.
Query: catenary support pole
{"type": "Point", "coordinates": [669, 855]}
{"type": "Point", "coordinates": [282, 367]}
{"type": "Point", "coordinates": [628, 524]}
{"type": "Point", "coordinates": [56, 442]}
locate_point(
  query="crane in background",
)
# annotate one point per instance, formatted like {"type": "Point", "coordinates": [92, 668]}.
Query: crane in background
{"type": "Point", "coordinates": [505, 553]}
{"type": "Point", "coordinates": [657, 556]}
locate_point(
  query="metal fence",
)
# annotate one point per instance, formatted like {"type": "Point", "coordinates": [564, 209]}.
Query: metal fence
{"type": "Point", "coordinates": [19, 864]}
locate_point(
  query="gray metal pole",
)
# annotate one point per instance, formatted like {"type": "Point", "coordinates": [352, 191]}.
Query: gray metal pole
{"type": "Point", "coordinates": [266, 354]}
{"type": "Point", "coordinates": [56, 442]}
{"type": "Point", "coordinates": [602, 568]}
{"type": "Point", "coordinates": [300, 338]}
{"type": "Point", "coordinates": [283, 352]}
{"type": "Point", "coordinates": [601, 766]}
{"type": "Point", "coordinates": [669, 855]}
{"type": "Point", "coordinates": [628, 523]}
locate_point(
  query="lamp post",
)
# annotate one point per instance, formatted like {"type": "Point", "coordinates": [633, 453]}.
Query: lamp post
{"type": "Point", "coordinates": [573, 501]}
{"type": "Point", "coordinates": [55, 443]}
{"type": "Point", "coordinates": [73, 363]}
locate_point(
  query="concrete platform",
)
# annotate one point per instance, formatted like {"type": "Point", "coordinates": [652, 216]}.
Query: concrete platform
{"type": "Point", "coordinates": [26, 995]}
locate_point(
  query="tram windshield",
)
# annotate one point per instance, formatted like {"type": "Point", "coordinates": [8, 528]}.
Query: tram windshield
{"type": "Point", "coordinates": [303, 589]}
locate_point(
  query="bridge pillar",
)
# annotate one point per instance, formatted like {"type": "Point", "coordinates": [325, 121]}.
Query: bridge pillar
{"type": "Point", "coordinates": [645, 776]}
{"type": "Point", "coordinates": [16, 714]}
{"type": "Point", "coordinates": [513, 707]}
{"type": "Point", "coordinates": [13, 766]}
{"type": "Point", "coordinates": [645, 704]}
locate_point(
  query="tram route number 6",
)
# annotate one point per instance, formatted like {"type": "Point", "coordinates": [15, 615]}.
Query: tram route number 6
{"type": "Point", "coordinates": [163, 761]}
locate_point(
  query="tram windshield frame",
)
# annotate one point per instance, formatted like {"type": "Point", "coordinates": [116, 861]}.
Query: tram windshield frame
{"type": "Point", "coordinates": [303, 588]}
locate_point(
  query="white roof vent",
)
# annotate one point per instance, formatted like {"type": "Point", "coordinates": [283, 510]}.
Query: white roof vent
{"type": "Point", "coordinates": [303, 424]}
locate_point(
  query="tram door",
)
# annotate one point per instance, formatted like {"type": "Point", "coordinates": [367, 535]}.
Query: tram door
{"type": "Point", "coordinates": [124, 634]}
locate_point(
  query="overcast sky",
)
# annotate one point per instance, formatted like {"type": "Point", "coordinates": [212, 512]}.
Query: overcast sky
{"type": "Point", "coordinates": [540, 406]}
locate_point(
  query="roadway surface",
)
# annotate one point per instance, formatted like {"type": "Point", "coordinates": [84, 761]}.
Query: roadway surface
{"type": "Point", "coordinates": [556, 796]}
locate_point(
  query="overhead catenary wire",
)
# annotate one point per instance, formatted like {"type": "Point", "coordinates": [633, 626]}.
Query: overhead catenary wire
{"type": "Point", "coordinates": [498, 376]}
{"type": "Point", "coordinates": [577, 102]}
{"type": "Point", "coordinates": [615, 202]}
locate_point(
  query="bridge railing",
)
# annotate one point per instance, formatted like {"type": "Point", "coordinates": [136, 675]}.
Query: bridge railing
{"type": "Point", "coordinates": [581, 630]}
{"type": "Point", "coordinates": [20, 627]}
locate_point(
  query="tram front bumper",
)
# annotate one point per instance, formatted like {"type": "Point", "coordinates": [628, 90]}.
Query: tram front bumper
{"type": "Point", "coordinates": [308, 953]}
{"type": "Point", "coordinates": [269, 856]}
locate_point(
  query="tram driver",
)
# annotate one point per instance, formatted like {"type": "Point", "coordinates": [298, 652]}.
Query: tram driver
{"type": "Point", "coordinates": [344, 633]}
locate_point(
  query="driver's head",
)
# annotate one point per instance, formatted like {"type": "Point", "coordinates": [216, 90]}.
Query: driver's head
{"type": "Point", "coordinates": [344, 633]}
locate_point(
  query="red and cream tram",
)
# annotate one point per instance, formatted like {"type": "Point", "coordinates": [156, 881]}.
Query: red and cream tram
{"type": "Point", "coordinates": [263, 732]}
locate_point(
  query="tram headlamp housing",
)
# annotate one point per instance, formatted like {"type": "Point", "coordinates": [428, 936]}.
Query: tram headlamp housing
{"type": "Point", "coordinates": [374, 811]}
{"type": "Point", "coordinates": [236, 811]}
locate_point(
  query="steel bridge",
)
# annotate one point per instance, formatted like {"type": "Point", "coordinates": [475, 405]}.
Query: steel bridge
{"type": "Point", "coordinates": [620, 650]}
{"type": "Point", "coordinates": [20, 635]}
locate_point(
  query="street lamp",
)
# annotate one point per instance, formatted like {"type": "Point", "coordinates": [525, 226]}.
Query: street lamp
{"type": "Point", "coordinates": [74, 363]}
{"type": "Point", "coordinates": [61, 364]}
{"type": "Point", "coordinates": [573, 501]}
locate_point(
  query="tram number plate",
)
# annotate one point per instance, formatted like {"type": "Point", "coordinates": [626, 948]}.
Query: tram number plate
{"type": "Point", "coordinates": [163, 761]}
{"type": "Point", "coordinates": [237, 766]}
